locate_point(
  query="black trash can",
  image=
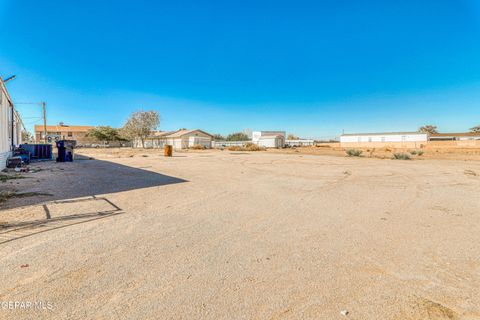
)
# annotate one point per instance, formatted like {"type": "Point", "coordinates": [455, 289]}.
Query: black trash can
{"type": "Point", "coordinates": [65, 150]}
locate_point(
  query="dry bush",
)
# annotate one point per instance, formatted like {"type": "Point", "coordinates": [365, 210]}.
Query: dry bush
{"type": "Point", "coordinates": [197, 147]}
{"type": "Point", "coordinates": [253, 147]}
{"type": "Point", "coordinates": [235, 148]}
{"type": "Point", "coordinates": [402, 156]}
{"type": "Point", "coordinates": [248, 147]}
{"type": "Point", "coordinates": [353, 152]}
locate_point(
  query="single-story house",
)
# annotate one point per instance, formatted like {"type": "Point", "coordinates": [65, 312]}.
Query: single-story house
{"type": "Point", "coordinates": [10, 126]}
{"type": "Point", "coordinates": [385, 139]}
{"type": "Point", "coordinates": [180, 139]}
{"type": "Point", "coordinates": [269, 139]}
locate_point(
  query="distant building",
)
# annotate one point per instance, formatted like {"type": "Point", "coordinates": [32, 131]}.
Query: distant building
{"type": "Point", "coordinates": [300, 142]}
{"type": "Point", "coordinates": [180, 139]}
{"type": "Point", "coordinates": [10, 131]}
{"type": "Point", "coordinates": [454, 136]}
{"type": "Point", "coordinates": [385, 139]}
{"type": "Point", "coordinates": [269, 139]}
{"type": "Point", "coordinates": [63, 132]}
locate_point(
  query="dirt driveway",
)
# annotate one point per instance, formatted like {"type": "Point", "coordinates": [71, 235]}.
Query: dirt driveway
{"type": "Point", "coordinates": [225, 235]}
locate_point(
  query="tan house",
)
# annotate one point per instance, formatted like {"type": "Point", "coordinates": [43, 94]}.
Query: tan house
{"type": "Point", "coordinates": [63, 132]}
{"type": "Point", "coordinates": [180, 139]}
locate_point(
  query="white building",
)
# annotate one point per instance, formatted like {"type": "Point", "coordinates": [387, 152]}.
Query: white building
{"type": "Point", "coordinates": [269, 139]}
{"type": "Point", "coordinates": [455, 136]}
{"type": "Point", "coordinates": [180, 139]}
{"type": "Point", "coordinates": [386, 139]}
{"type": "Point", "coordinates": [10, 131]}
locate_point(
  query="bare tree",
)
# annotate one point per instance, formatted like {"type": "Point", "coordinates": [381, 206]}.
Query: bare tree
{"type": "Point", "coordinates": [141, 124]}
{"type": "Point", "coordinates": [475, 129]}
{"type": "Point", "coordinates": [428, 129]}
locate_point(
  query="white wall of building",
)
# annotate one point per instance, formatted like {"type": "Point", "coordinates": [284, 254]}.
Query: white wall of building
{"type": "Point", "coordinates": [406, 137]}
{"type": "Point", "coordinates": [6, 126]}
{"type": "Point", "coordinates": [257, 134]}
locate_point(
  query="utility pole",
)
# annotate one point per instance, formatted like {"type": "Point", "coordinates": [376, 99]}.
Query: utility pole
{"type": "Point", "coordinates": [44, 122]}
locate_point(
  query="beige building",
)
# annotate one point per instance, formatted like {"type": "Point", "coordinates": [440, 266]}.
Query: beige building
{"type": "Point", "coordinates": [63, 132]}
{"type": "Point", "coordinates": [180, 139]}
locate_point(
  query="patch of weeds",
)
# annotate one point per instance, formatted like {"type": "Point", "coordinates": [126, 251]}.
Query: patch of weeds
{"type": "Point", "coordinates": [248, 147]}
{"type": "Point", "coordinates": [347, 173]}
{"type": "Point", "coordinates": [5, 177]}
{"type": "Point", "coordinates": [353, 152]}
{"type": "Point", "coordinates": [470, 173]}
{"type": "Point", "coordinates": [198, 147]}
{"type": "Point", "coordinates": [4, 196]}
{"type": "Point", "coordinates": [402, 156]}
{"type": "Point", "coordinates": [416, 152]}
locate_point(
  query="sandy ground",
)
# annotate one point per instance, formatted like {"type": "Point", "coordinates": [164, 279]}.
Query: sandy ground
{"type": "Point", "coordinates": [236, 235]}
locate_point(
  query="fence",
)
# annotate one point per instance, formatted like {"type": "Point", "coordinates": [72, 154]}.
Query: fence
{"type": "Point", "coordinates": [226, 144]}
{"type": "Point", "coordinates": [299, 143]}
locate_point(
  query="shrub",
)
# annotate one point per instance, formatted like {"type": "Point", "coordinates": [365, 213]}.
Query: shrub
{"type": "Point", "coordinates": [353, 152]}
{"type": "Point", "coordinates": [235, 148]}
{"type": "Point", "coordinates": [416, 152]}
{"type": "Point", "coordinates": [197, 147]}
{"type": "Point", "coordinates": [401, 156]}
{"type": "Point", "coordinates": [249, 146]}
{"type": "Point", "coordinates": [252, 147]}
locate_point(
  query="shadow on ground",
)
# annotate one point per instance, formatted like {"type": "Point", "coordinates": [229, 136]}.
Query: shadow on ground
{"type": "Point", "coordinates": [84, 177]}
{"type": "Point", "coordinates": [15, 230]}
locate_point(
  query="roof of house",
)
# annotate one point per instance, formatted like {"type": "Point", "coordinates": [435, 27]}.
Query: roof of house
{"type": "Point", "coordinates": [380, 133]}
{"type": "Point", "coordinates": [183, 132]}
{"type": "Point", "coordinates": [162, 133]}
{"type": "Point", "coordinates": [458, 134]}
{"type": "Point", "coordinates": [176, 134]}
{"type": "Point", "coordinates": [60, 128]}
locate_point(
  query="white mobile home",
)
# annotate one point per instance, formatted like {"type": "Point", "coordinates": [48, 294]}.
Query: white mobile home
{"type": "Point", "coordinates": [180, 139]}
{"type": "Point", "coordinates": [10, 131]}
{"type": "Point", "coordinates": [386, 139]}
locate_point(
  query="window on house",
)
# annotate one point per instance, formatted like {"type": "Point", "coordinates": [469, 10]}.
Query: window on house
{"type": "Point", "coordinates": [69, 133]}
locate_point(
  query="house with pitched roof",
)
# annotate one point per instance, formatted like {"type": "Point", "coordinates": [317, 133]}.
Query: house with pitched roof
{"type": "Point", "coordinates": [180, 139]}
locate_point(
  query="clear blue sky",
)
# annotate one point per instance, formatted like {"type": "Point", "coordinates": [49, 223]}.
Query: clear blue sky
{"type": "Point", "coordinates": [308, 67]}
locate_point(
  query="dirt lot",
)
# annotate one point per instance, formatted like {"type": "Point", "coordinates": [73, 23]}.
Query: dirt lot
{"type": "Point", "coordinates": [237, 235]}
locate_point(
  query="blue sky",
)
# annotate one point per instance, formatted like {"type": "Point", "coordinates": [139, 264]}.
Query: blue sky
{"type": "Point", "coordinates": [311, 68]}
